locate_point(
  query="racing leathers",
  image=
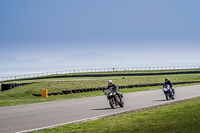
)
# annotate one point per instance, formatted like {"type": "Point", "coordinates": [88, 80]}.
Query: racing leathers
{"type": "Point", "coordinates": [114, 87]}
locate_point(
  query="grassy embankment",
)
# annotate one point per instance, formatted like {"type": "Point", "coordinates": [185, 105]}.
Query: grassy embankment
{"type": "Point", "coordinates": [183, 117]}
{"type": "Point", "coordinates": [23, 94]}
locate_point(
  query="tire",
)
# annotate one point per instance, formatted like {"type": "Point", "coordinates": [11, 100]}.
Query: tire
{"type": "Point", "coordinates": [121, 103]}
{"type": "Point", "coordinates": [167, 96]}
{"type": "Point", "coordinates": [112, 102]}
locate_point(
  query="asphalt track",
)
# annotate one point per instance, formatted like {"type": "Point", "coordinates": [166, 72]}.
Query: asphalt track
{"type": "Point", "coordinates": [31, 117]}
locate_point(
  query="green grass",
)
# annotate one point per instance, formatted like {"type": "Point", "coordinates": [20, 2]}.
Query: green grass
{"type": "Point", "coordinates": [182, 117]}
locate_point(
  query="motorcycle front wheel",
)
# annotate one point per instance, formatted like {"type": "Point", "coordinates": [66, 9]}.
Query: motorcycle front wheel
{"type": "Point", "coordinates": [112, 102]}
{"type": "Point", "coordinates": [167, 96]}
{"type": "Point", "coordinates": [121, 103]}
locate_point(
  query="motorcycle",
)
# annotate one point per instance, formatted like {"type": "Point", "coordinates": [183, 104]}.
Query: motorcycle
{"type": "Point", "coordinates": [115, 98]}
{"type": "Point", "coordinates": [169, 94]}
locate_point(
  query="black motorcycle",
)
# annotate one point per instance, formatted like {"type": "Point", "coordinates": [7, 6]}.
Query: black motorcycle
{"type": "Point", "coordinates": [115, 97]}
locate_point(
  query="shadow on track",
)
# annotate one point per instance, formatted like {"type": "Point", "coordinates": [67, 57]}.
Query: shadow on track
{"type": "Point", "coordinates": [160, 100]}
{"type": "Point", "coordinates": [102, 109]}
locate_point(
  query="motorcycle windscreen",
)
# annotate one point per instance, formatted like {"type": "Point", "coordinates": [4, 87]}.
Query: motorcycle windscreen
{"type": "Point", "coordinates": [108, 91]}
{"type": "Point", "coordinates": [166, 88]}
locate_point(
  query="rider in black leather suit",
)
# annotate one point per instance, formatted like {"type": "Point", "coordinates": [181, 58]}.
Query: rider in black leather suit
{"type": "Point", "coordinates": [114, 87]}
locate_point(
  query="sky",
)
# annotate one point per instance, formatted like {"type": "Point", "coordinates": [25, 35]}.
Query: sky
{"type": "Point", "coordinates": [51, 30]}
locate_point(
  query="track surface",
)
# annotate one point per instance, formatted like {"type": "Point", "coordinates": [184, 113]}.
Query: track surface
{"type": "Point", "coordinates": [43, 115]}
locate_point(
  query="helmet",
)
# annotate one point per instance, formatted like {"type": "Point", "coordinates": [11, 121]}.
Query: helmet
{"type": "Point", "coordinates": [109, 81]}
{"type": "Point", "coordinates": [166, 79]}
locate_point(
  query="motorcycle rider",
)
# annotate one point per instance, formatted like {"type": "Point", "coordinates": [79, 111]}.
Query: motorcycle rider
{"type": "Point", "coordinates": [168, 82]}
{"type": "Point", "coordinates": [110, 84]}
{"type": "Point", "coordinates": [114, 87]}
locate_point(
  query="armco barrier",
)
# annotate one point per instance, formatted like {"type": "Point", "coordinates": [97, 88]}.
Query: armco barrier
{"type": "Point", "coordinates": [104, 88]}
{"type": "Point", "coordinates": [106, 75]}
{"type": "Point", "coordinates": [38, 75]}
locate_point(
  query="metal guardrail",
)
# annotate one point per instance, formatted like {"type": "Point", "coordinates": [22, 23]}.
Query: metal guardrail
{"type": "Point", "coordinates": [99, 70]}
{"type": "Point", "coordinates": [115, 74]}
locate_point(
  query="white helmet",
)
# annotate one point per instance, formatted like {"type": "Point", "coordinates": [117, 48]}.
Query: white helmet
{"type": "Point", "coordinates": [109, 81]}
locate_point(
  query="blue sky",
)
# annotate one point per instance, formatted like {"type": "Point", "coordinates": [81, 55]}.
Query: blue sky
{"type": "Point", "coordinates": [50, 30]}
